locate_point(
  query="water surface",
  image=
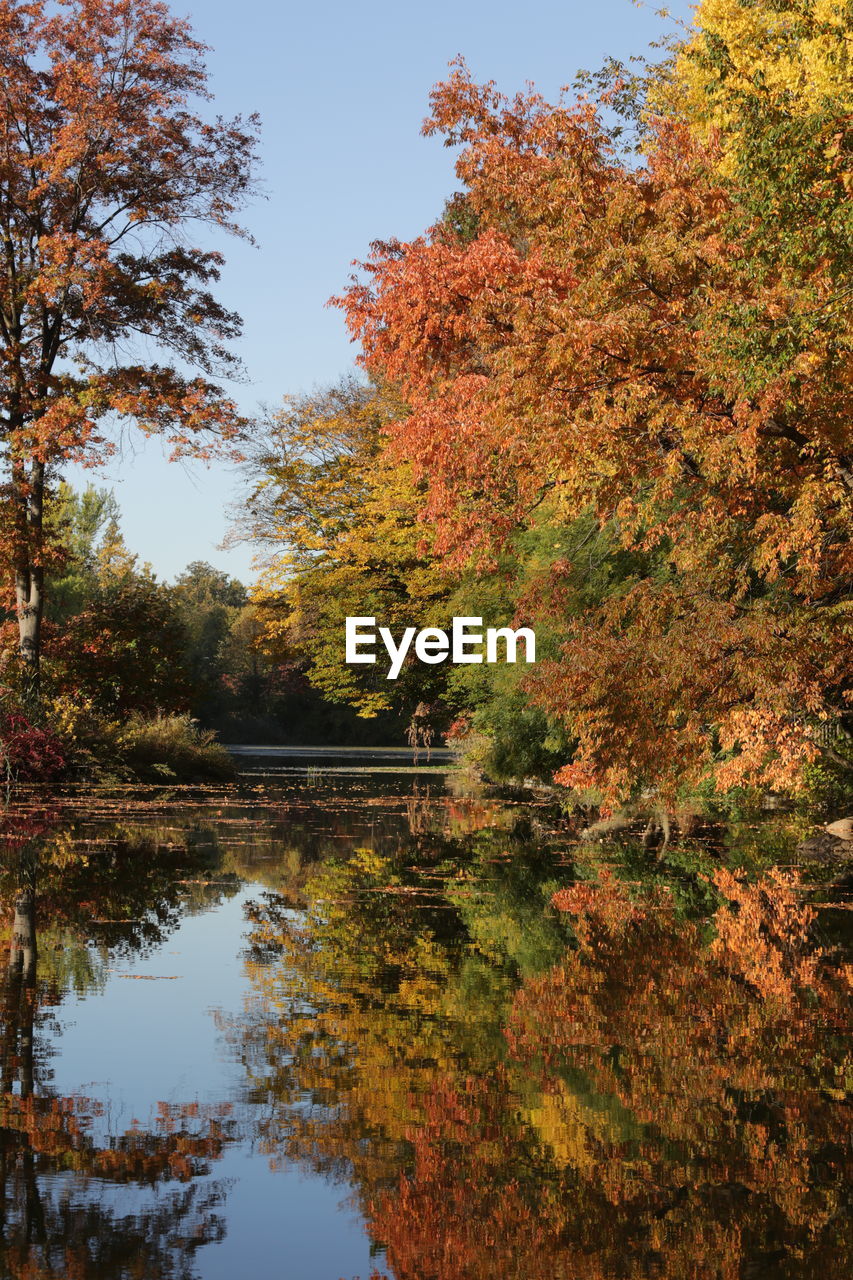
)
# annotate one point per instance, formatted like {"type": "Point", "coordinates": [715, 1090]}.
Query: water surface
{"type": "Point", "coordinates": [329, 1024]}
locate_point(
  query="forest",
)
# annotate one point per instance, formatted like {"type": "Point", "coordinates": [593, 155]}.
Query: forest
{"type": "Point", "coordinates": [606, 396]}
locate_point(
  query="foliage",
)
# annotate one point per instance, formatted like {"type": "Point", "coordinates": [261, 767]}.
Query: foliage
{"type": "Point", "coordinates": [123, 650]}
{"type": "Point", "coordinates": [791, 56]}
{"type": "Point", "coordinates": [29, 753]}
{"type": "Point", "coordinates": [547, 573]}
{"type": "Point", "coordinates": [106, 295]}
{"type": "Point", "coordinates": [644, 343]}
{"type": "Point", "coordinates": [114, 640]}
{"type": "Point", "coordinates": [172, 747]}
{"type": "Point", "coordinates": [121, 642]}
{"type": "Point", "coordinates": [218, 649]}
{"type": "Point", "coordinates": [84, 527]}
{"type": "Point", "coordinates": [339, 525]}
{"type": "Point", "coordinates": [343, 533]}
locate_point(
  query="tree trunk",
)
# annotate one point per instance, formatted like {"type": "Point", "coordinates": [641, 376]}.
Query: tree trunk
{"type": "Point", "coordinates": [29, 572]}
{"type": "Point", "coordinates": [22, 969]}
{"type": "Point", "coordinates": [22, 945]}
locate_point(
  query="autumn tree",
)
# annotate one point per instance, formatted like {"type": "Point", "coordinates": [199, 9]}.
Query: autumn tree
{"type": "Point", "coordinates": [623, 339]}
{"type": "Point", "coordinates": [338, 525]}
{"type": "Point", "coordinates": [125, 647]}
{"type": "Point", "coordinates": [114, 641]}
{"type": "Point", "coordinates": [108, 176]}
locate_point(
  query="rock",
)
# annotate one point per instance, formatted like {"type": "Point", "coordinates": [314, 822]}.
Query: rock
{"type": "Point", "coordinates": [825, 848]}
{"type": "Point", "coordinates": [833, 844]}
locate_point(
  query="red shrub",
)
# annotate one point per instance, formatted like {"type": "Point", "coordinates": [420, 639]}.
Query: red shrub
{"type": "Point", "coordinates": [27, 753]}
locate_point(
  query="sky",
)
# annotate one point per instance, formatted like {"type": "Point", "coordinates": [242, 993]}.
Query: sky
{"type": "Point", "coordinates": [342, 89]}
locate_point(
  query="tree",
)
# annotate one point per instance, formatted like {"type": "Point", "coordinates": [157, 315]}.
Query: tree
{"type": "Point", "coordinates": [339, 524]}
{"type": "Point", "coordinates": [210, 604]}
{"type": "Point", "coordinates": [621, 339]}
{"type": "Point", "coordinates": [105, 168]}
{"type": "Point", "coordinates": [113, 639]}
{"type": "Point", "coordinates": [80, 525]}
{"type": "Point", "coordinates": [124, 648]}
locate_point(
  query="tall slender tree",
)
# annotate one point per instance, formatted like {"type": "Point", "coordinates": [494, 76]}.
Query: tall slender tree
{"type": "Point", "coordinates": [108, 179]}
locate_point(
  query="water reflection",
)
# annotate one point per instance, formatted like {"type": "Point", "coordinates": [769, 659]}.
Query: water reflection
{"type": "Point", "coordinates": [512, 1063]}
{"type": "Point", "coordinates": [637, 1101]}
{"type": "Point", "coordinates": [67, 908]}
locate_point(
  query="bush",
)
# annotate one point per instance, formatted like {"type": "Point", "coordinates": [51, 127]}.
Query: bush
{"type": "Point", "coordinates": [173, 747]}
{"type": "Point", "coordinates": [28, 753]}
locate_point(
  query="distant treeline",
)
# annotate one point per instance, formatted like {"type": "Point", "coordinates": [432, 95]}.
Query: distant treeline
{"type": "Point", "coordinates": [121, 643]}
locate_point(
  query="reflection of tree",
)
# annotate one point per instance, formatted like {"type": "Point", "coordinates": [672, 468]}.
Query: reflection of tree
{"type": "Point", "coordinates": [76, 1238]}
{"type": "Point", "coordinates": [364, 1005]}
{"type": "Point", "coordinates": [283, 841]}
{"type": "Point", "coordinates": [122, 891]}
{"type": "Point", "coordinates": [19, 995]}
{"type": "Point", "coordinates": [316, 1043]}
{"type": "Point", "coordinates": [59, 1171]}
{"type": "Point", "coordinates": [733, 1062]}
{"type": "Point", "coordinates": [653, 1103]}
{"type": "Point", "coordinates": [58, 1181]}
{"type": "Point", "coordinates": [480, 1198]}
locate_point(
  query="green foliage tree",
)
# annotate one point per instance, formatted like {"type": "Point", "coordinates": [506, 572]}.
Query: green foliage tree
{"type": "Point", "coordinates": [115, 640]}
{"type": "Point", "coordinates": [211, 606]}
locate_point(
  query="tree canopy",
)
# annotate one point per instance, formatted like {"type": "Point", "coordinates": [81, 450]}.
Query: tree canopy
{"type": "Point", "coordinates": [660, 341]}
{"type": "Point", "coordinates": [107, 173]}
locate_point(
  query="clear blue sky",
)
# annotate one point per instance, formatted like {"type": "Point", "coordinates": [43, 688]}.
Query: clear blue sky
{"type": "Point", "coordinates": [342, 89]}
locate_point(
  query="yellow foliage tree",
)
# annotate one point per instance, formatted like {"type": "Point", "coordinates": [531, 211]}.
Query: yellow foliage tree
{"type": "Point", "coordinates": [340, 522]}
{"type": "Point", "coordinates": [795, 54]}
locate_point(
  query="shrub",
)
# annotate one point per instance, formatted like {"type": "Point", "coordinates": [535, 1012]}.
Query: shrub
{"type": "Point", "coordinates": [173, 747]}
{"type": "Point", "coordinates": [27, 752]}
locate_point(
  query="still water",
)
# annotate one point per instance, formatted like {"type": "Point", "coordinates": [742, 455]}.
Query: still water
{"type": "Point", "coordinates": [332, 1022]}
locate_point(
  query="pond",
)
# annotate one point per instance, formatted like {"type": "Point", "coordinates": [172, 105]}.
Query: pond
{"type": "Point", "coordinates": [354, 1019]}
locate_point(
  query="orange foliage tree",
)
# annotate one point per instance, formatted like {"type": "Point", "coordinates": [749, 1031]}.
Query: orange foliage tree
{"type": "Point", "coordinates": [565, 332]}
{"type": "Point", "coordinates": [104, 167]}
